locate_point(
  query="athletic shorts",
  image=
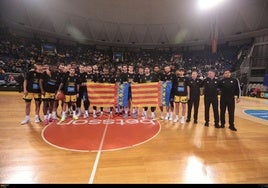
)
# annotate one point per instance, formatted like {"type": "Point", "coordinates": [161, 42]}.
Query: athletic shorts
{"type": "Point", "coordinates": [30, 96]}
{"type": "Point", "coordinates": [182, 99]}
{"type": "Point", "coordinates": [48, 96]}
{"type": "Point", "coordinates": [70, 98]}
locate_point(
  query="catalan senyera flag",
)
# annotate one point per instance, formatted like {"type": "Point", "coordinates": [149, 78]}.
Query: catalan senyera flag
{"type": "Point", "coordinates": [145, 94]}
{"type": "Point", "coordinates": [165, 90]}
{"type": "Point", "coordinates": [102, 94]}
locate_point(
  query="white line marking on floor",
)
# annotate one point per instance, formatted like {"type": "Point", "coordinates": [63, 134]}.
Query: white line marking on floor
{"type": "Point", "coordinates": [96, 162]}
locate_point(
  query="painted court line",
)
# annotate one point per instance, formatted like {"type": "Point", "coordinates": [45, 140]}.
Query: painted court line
{"type": "Point", "coordinates": [96, 162]}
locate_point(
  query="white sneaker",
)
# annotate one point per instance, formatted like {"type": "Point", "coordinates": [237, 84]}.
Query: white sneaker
{"type": "Point", "coordinates": [37, 119]}
{"type": "Point", "coordinates": [75, 117]}
{"type": "Point", "coordinates": [162, 116]}
{"type": "Point", "coordinates": [144, 115]}
{"type": "Point", "coordinates": [94, 115]}
{"type": "Point", "coordinates": [182, 120]}
{"type": "Point", "coordinates": [63, 118]}
{"type": "Point", "coordinates": [78, 113]}
{"type": "Point", "coordinates": [176, 120]}
{"type": "Point", "coordinates": [25, 121]}
{"type": "Point", "coordinates": [70, 112]}
{"type": "Point", "coordinates": [170, 118]}
{"type": "Point", "coordinates": [153, 117]}
{"type": "Point", "coordinates": [85, 115]}
{"type": "Point", "coordinates": [125, 115]}
{"type": "Point", "coordinates": [54, 117]}
{"type": "Point", "coordinates": [167, 117]}
{"type": "Point", "coordinates": [134, 115]}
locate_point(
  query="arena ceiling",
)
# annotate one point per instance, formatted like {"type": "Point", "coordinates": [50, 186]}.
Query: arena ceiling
{"type": "Point", "coordinates": [139, 22]}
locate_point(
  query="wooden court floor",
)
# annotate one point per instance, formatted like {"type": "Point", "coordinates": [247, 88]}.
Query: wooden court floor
{"type": "Point", "coordinates": [179, 154]}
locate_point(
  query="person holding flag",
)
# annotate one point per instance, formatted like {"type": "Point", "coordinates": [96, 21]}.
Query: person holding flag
{"type": "Point", "coordinates": [148, 77]}
{"type": "Point", "coordinates": [167, 77]}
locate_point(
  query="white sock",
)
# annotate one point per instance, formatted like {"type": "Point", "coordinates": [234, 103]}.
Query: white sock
{"type": "Point", "coordinates": [74, 113]}
{"type": "Point", "coordinates": [53, 113]}
{"type": "Point", "coordinates": [145, 113]}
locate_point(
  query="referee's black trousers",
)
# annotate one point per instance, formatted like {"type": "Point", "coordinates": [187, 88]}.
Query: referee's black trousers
{"type": "Point", "coordinates": [193, 102]}
{"type": "Point", "coordinates": [214, 101]}
{"type": "Point", "coordinates": [229, 104]}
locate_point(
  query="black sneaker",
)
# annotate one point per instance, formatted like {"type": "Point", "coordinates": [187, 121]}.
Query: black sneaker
{"type": "Point", "coordinates": [232, 128]}
{"type": "Point", "coordinates": [195, 121]}
{"type": "Point", "coordinates": [222, 126]}
{"type": "Point", "coordinates": [206, 124]}
{"type": "Point", "coordinates": [187, 120]}
{"type": "Point", "coordinates": [217, 126]}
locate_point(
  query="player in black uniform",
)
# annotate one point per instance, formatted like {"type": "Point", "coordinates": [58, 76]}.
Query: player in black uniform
{"type": "Point", "coordinates": [124, 79]}
{"type": "Point", "coordinates": [92, 76]}
{"type": "Point", "coordinates": [131, 76]}
{"type": "Point", "coordinates": [180, 94]}
{"type": "Point", "coordinates": [31, 90]}
{"type": "Point", "coordinates": [105, 77]}
{"type": "Point", "coordinates": [230, 87]}
{"type": "Point", "coordinates": [194, 84]}
{"type": "Point", "coordinates": [62, 71]}
{"type": "Point", "coordinates": [157, 72]}
{"type": "Point", "coordinates": [88, 77]}
{"type": "Point", "coordinates": [116, 78]}
{"type": "Point", "coordinates": [70, 83]}
{"type": "Point", "coordinates": [211, 86]}
{"type": "Point", "coordinates": [146, 78]}
{"type": "Point", "coordinates": [167, 76]}
{"type": "Point", "coordinates": [137, 79]}
{"type": "Point", "coordinates": [83, 96]}
{"type": "Point", "coordinates": [49, 85]}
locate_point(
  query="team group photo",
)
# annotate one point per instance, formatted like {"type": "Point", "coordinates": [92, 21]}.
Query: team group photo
{"type": "Point", "coordinates": [133, 92]}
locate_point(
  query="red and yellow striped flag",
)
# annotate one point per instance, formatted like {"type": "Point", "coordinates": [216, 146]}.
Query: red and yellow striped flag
{"type": "Point", "coordinates": [101, 94]}
{"type": "Point", "coordinates": [145, 94]}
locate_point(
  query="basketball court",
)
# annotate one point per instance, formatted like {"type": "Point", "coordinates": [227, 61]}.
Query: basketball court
{"type": "Point", "coordinates": [111, 149]}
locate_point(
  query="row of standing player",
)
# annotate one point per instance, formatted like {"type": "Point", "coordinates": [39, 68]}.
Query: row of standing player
{"type": "Point", "coordinates": [44, 84]}
{"type": "Point", "coordinates": [47, 84]}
